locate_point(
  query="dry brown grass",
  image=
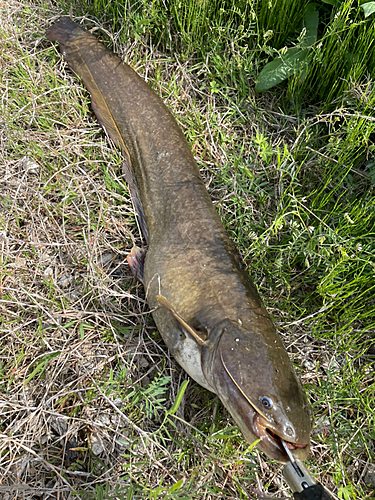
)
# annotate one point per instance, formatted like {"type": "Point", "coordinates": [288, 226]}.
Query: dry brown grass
{"type": "Point", "coordinates": [64, 284]}
{"type": "Point", "coordinates": [74, 330]}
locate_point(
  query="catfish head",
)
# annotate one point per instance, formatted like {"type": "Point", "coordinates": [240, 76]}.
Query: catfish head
{"type": "Point", "coordinates": [253, 376]}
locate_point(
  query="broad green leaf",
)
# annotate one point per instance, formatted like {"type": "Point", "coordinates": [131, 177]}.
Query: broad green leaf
{"type": "Point", "coordinates": [177, 485]}
{"type": "Point", "coordinates": [281, 68]}
{"type": "Point", "coordinates": [310, 22]}
{"type": "Point", "coordinates": [69, 324]}
{"type": "Point", "coordinates": [368, 8]}
{"type": "Point", "coordinates": [178, 399]}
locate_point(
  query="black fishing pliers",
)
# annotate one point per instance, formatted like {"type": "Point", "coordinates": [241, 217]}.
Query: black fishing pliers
{"type": "Point", "coordinates": [301, 482]}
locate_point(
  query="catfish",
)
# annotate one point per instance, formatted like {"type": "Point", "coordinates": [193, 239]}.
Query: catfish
{"type": "Point", "coordinates": [206, 307]}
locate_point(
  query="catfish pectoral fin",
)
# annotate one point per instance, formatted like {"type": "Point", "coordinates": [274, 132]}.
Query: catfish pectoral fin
{"type": "Point", "coordinates": [136, 261]}
{"type": "Point", "coordinates": [199, 337]}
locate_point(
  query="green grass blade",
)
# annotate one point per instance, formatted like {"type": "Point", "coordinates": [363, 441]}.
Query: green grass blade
{"type": "Point", "coordinates": [180, 394]}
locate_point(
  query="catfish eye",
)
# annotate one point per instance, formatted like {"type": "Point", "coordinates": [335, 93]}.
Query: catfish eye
{"type": "Point", "coordinates": [267, 402]}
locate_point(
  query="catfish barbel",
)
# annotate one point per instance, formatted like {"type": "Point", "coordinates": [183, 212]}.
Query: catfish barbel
{"type": "Point", "coordinates": [208, 310]}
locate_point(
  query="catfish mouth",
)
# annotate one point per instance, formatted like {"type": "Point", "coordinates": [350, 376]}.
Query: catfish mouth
{"type": "Point", "coordinates": [289, 444]}
{"type": "Point", "coordinates": [272, 444]}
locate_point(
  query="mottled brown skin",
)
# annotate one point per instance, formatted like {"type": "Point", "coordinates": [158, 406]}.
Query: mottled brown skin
{"type": "Point", "coordinates": [190, 259]}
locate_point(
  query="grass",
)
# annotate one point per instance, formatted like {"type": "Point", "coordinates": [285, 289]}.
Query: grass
{"type": "Point", "coordinates": [91, 404]}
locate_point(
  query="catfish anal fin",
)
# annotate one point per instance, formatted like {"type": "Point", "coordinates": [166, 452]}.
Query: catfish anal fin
{"type": "Point", "coordinates": [136, 261]}
{"type": "Point", "coordinates": [136, 197]}
{"type": "Point", "coordinates": [199, 337]}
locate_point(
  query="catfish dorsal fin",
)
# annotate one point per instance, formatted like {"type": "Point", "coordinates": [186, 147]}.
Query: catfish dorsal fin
{"type": "Point", "coordinates": [83, 52]}
{"type": "Point", "coordinates": [199, 337]}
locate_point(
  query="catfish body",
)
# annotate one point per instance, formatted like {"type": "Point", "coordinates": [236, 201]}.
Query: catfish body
{"type": "Point", "coordinates": [212, 318]}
